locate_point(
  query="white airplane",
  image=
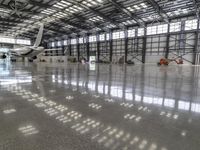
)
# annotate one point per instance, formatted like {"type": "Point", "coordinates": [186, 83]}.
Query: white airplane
{"type": "Point", "coordinates": [28, 51]}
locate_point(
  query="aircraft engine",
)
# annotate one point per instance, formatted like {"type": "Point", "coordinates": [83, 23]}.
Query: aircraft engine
{"type": "Point", "coordinates": [3, 56]}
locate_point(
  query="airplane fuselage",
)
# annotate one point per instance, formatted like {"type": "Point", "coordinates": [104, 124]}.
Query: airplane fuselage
{"type": "Point", "coordinates": [27, 51]}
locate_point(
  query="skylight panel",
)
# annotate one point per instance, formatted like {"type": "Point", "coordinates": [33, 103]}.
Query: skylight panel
{"type": "Point", "coordinates": [130, 9]}
{"type": "Point", "coordinates": [28, 21]}
{"type": "Point", "coordinates": [65, 3]}
{"type": "Point", "coordinates": [62, 4]}
{"type": "Point", "coordinates": [58, 6]}
{"type": "Point", "coordinates": [4, 10]}
{"type": "Point", "coordinates": [178, 12]}
{"type": "Point", "coordinates": [100, 1]}
{"type": "Point", "coordinates": [143, 5]}
{"type": "Point", "coordinates": [129, 22]}
{"type": "Point", "coordinates": [91, 3]}
{"type": "Point", "coordinates": [73, 9]}
{"type": "Point", "coordinates": [48, 11]}
{"type": "Point", "coordinates": [137, 7]}
{"type": "Point", "coordinates": [111, 26]}
{"type": "Point", "coordinates": [60, 14]}
{"type": "Point", "coordinates": [48, 19]}
{"type": "Point", "coordinates": [68, 26]}
{"type": "Point", "coordinates": [96, 19]}
{"type": "Point", "coordinates": [36, 17]}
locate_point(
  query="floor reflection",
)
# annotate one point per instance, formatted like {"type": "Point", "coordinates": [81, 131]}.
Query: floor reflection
{"type": "Point", "coordinates": [111, 106]}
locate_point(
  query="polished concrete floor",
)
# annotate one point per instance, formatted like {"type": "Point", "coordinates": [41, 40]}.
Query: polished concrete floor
{"type": "Point", "coordinates": [99, 107]}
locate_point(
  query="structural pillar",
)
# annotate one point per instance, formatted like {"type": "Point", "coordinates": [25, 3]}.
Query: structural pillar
{"type": "Point", "coordinates": [144, 45]}
{"type": "Point", "coordinates": [87, 47]}
{"type": "Point", "coordinates": [196, 44]}
{"type": "Point", "coordinates": [69, 47]}
{"type": "Point", "coordinates": [126, 45]}
{"type": "Point", "coordinates": [98, 48]}
{"type": "Point", "coordinates": [111, 45]}
{"type": "Point", "coordinates": [78, 48]}
{"type": "Point", "coordinates": [167, 42]}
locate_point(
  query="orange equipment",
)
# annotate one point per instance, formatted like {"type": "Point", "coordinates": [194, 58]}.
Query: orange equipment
{"type": "Point", "coordinates": [165, 61]}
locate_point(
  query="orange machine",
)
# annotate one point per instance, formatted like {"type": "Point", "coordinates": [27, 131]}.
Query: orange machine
{"type": "Point", "coordinates": [165, 61]}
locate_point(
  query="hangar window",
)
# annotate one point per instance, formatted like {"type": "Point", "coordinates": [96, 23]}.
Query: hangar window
{"type": "Point", "coordinates": [23, 42]}
{"type": "Point", "coordinates": [159, 29]}
{"type": "Point", "coordinates": [162, 28]}
{"type": "Point", "coordinates": [102, 37]}
{"type": "Point", "coordinates": [73, 41]}
{"type": "Point", "coordinates": [195, 107]}
{"type": "Point", "coordinates": [175, 27]}
{"type": "Point", "coordinates": [169, 103]}
{"type": "Point", "coordinates": [140, 31]}
{"type": "Point", "coordinates": [7, 40]}
{"type": "Point", "coordinates": [107, 36]}
{"type": "Point", "coordinates": [115, 35]}
{"type": "Point", "coordinates": [59, 43]}
{"type": "Point", "coordinates": [183, 105]}
{"type": "Point", "coordinates": [121, 35]}
{"type": "Point", "coordinates": [52, 44]}
{"type": "Point", "coordinates": [81, 40]}
{"type": "Point", "coordinates": [118, 35]}
{"type": "Point", "coordinates": [151, 30]}
{"type": "Point", "coordinates": [131, 33]}
{"type": "Point", "coordinates": [191, 24]}
{"type": "Point", "coordinates": [92, 38]}
{"type": "Point", "coordinates": [65, 42]}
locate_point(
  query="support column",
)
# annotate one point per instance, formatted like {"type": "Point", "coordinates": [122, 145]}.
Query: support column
{"type": "Point", "coordinates": [78, 48]}
{"type": "Point", "coordinates": [144, 45]}
{"type": "Point", "coordinates": [111, 45]}
{"type": "Point", "coordinates": [87, 47]}
{"type": "Point", "coordinates": [62, 48]}
{"type": "Point", "coordinates": [98, 48]}
{"type": "Point", "coordinates": [196, 44]}
{"type": "Point", "coordinates": [181, 45]}
{"type": "Point", "coordinates": [126, 45]}
{"type": "Point", "coordinates": [167, 41]}
{"type": "Point", "coordinates": [69, 46]}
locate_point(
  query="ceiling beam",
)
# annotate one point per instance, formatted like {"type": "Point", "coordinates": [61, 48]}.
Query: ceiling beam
{"type": "Point", "coordinates": [23, 12]}
{"type": "Point", "coordinates": [72, 24]}
{"type": "Point", "coordinates": [128, 13]}
{"type": "Point", "coordinates": [195, 4]}
{"type": "Point", "coordinates": [96, 12]}
{"type": "Point", "coordinates": [40, 4]}
{"type": "Point", "coordinates": [46, 5]}
{"type": "Point", "coordinates": [159, 10]}
{"type": "Point", "coordinates": [8, 20]}
{"type": "Point", "coordinates": [7, 24]}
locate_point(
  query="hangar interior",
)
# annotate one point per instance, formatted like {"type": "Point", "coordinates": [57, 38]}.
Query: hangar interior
{"type": "Point", "coordinates": [99, 74]}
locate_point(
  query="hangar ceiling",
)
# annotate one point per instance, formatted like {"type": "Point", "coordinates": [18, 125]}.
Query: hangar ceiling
{"type": "Point", "coordinates": [20, 18]}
